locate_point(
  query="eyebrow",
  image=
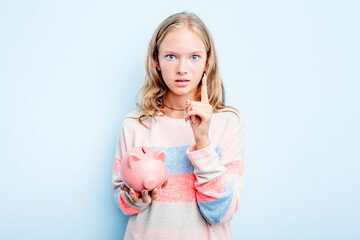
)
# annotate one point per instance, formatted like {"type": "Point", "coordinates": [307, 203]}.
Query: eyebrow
{"type": "Point", "coordinates": [194, 52]}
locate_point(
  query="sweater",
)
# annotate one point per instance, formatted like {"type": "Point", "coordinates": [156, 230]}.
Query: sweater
{"type": "Point", "coordinates": [204, 186]}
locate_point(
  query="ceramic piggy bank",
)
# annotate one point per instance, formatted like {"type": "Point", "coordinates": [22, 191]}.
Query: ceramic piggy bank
{"type": "Point", "coordinates": [143, 168]}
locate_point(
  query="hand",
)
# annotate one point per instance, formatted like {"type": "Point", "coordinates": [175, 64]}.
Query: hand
{"type": "Point", "coordinates": [200, 114]}
{"type": "Point", "coordinates": [145, 195]}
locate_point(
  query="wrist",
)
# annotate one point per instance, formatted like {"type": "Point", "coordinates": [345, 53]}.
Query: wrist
{"type": "Point", "coordinates": [202, 144]}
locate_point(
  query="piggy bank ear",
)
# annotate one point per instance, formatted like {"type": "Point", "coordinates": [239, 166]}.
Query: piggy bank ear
{"type": "Point", "coordinates": [160, 155]}
{"type": "Point", "coordinates": [132, 160]}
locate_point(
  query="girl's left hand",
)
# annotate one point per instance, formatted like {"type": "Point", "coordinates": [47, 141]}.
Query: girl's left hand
{"type": "Point", "coordinates": [145, 195]}
{"type": "Point", "coordinates": [199, 114]}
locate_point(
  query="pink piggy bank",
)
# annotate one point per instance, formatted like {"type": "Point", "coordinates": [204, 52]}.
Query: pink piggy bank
{"type": "Point", "coordinates": [143, 168]}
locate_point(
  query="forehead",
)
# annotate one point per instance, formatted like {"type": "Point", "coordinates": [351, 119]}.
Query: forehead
{"type": "Point", "coordinates": [182, 40]}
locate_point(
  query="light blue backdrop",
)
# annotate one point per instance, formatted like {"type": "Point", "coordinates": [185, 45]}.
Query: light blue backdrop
{"type": "Point", "coordinates": [70, 71]}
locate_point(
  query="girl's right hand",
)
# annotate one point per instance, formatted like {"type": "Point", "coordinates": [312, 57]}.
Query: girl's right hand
{"type": "Point", "coordinates": [145, 194]}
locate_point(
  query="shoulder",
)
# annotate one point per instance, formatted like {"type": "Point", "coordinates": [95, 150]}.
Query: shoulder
{"type": "Point", "coordinates": [229, 118]}
{"type": "Point", "coordinates": [130, 119]}
{"type": "Point", "coordinates": [229, 127]}
{"type": "Point", "coordinates": [133, 114]}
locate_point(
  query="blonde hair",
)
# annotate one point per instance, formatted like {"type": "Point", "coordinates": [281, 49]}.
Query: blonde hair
{"type": "Point", "coordinates": [154, 89]}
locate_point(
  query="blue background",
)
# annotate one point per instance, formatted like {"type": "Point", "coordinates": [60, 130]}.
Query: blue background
{"type": "Point", "coordinates": [70, 71]}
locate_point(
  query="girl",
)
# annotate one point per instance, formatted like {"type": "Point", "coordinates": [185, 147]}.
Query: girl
{"type": "Point", "coordinates": [182, 112]}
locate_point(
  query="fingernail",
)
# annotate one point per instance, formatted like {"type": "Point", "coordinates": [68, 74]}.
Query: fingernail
{"type": "Point", "coordinates": [155, 191]}
{"type": "Point", "coordinates": [145, 192]}
{"type": "Point", "coordinates": [132, 191]}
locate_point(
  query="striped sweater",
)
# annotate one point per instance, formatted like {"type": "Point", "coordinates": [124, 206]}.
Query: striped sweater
{"type": "Point", "coordinates": [204, 186]}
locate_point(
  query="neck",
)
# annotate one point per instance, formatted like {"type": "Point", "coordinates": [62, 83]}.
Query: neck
{"type": "Point", "coordinates": [176, 101]}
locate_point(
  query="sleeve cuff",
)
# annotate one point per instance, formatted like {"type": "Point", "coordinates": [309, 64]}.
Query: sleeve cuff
{"type": "Point", "coordinates": [204, 159]}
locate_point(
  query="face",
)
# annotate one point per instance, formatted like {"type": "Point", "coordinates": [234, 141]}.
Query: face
{"type": "Point", "coordinates": [182, 61]}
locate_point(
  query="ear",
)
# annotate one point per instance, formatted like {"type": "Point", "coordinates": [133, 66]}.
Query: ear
{"type": "Point", "coordinates": [206, 65]}
{"type": "Point", "coordinates": [160, 155]}
{"type": "Point", "coordinates": [132, 160]}
{"type": "Point", "coordinates": [157, 62]}
{"type": "Point", "coordinates": [157, 65]}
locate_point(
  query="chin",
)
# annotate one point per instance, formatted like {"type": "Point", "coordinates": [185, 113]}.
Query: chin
{"type": "Point", "coordinates": [177, 92]}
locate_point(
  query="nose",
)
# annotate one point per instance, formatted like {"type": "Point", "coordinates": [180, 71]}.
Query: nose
{"type": "Point", "coordinates": [181, 67]}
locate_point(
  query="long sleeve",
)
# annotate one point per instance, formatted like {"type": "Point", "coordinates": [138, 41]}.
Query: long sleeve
{"type": "Point", "coordinates": [219, 179]}
{"type": "Point", "coordinates": [122, 199]}
{"type": "Point", "coordinates": [202, 194]}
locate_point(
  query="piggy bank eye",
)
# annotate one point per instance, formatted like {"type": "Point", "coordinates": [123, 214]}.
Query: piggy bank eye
{"type": "Point", "coordinates": [143, 150]}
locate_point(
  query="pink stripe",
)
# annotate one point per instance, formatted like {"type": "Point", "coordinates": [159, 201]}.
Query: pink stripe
{"type": "Point", "coordinates": [180, 188]}
{"type": "Point", "coordinates": [117, 165]}
{"type": "Point", "coordinates": [125, 207]}
{"type": "Point", "coordinates": [235, 167]}
{"type": "Point", "coordinates": [211, 190]}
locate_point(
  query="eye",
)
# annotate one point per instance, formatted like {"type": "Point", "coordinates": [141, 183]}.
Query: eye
{"type": "Point", "coordinates": [195, 57]}
{"type": "Point", "coordinates": [170, 57]}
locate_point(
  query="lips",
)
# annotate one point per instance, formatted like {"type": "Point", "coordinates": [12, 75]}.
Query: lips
{"type": "Point", "coordinates": [182, 82]}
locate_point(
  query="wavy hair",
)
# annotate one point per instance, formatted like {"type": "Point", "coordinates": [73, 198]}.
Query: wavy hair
{"type": "Point", "coordinates": [154, 89]}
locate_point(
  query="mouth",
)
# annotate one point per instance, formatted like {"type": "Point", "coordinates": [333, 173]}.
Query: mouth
{"type": "Point", "coordinates": [182, 82]}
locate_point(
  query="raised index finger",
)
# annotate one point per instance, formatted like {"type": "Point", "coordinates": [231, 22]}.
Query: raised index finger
{"type": "Point", "coordinates": [204, 93]}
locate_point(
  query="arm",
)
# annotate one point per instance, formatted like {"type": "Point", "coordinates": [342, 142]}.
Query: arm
{"type": "Point", "coordinates": [122, 198]}
{"type": "Point", "coordinates": [219, 181]}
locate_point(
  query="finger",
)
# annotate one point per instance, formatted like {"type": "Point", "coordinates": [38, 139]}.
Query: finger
{"type": "Point", "coordinates": [145, 196]}
{"type": "Point", "coordinates": [197, 113]}
{"type": "Point", "coordinates": [189, 116]}
{"type": "Point", "coordinates": [165, 183]}
{"type": "Point", "coordinates": [124, 187]}
{"type": "Point", "coordinates": [133, 196]}
{"type": "Point", "coordinates": [204, 93]}
{"type": "Point", "coordinates": [186, 106]}
{"type": "Point", "coordinates": [154, 194]}
{"type": "Point", "coordinates": [187, 103]}
{"type": "Point", "coordinates": [192, 119]}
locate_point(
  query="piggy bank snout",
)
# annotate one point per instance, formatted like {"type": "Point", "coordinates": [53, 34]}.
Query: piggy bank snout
{"type": "Point", "coordinates": [150, 183]}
